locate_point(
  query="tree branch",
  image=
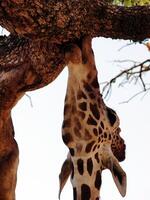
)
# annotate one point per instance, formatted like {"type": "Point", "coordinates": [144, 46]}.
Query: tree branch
{"type": "Point", "coordinates": [39, 62]}
{"type": "Point", "coordinates": [67, 20]}
{"type": "Point", "coordinates": [134, 73]}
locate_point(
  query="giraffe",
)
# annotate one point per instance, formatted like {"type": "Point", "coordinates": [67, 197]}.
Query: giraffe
{"type": "Point", "coordinates": [90, 129]}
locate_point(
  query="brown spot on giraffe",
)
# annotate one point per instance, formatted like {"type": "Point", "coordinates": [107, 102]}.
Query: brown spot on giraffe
{"type": "Point", "coordinates": [95, 131]}
{"type": "Point", "coordinates": [81, 95]}
{"type": "Point", "coordinates": [90, 166]}
{"type": "Point", "coordinates": [80, 164]}
{"type": "Point", "coordinates": [72, 151]}
{"type": "Point", "coordinates": [85, 192]}
{"type": "Point", "coordinates": [81, 115]}
{"type": "Point", "coordinates": [66, 109]}
{"type": "Point", "coordinates": [89, 146]}
{"type": "Point", "coordinates": [83, 106]}
{"type": "Point", "coordinates": [97, 158]}
{"type": "Point", "coordinates": [95, 111]}
{"type": "Point", "coordinates": [89, 76]}
{"type": "Point", "coordinates": [87, 87]}
{"type": "Point", "coordinates": [75, 193]}
{"type": "Point", "coordinates": [77, 132]}
{"type": "Point", "coordinates": [98, 179]}
{"type": "Point", "coordinates": [95, 146]}
{"type": "Point", "coordinates": [67, 138]}
{"type": "Point", "coordinates": [66, 123]}
{"type": "Point", "coordinates": [87, 135]}
{"type": "Point", "coordinates": [95, 83]}
{"type": "Point", "coordinates": [91, 120]}
{"type": "Point", "coordinates": [92, 95]}
{"type": "Point", "coordinates": [96, 126]}
{"type": "Point", "coordinates": [77, 122]}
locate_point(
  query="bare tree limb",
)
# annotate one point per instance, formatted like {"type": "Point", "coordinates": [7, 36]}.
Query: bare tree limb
{"type": "Point", "coordinates": [134, 73]}
{"type": "Point", "coordinates": [30, 99]}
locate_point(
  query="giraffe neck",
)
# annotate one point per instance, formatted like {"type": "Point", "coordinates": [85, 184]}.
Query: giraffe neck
{"type": "Point", "coordinates": [82, 123]}
{"type": "Point", "coordinates": [87, 130]}
{"type": "Point", "coordinates": [83, 87]}
{"type": "Point", "coordinates": [86, 178]}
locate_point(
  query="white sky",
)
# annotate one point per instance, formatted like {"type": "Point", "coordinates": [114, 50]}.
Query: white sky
{"type": "Point", "coordinates": [38, 132]}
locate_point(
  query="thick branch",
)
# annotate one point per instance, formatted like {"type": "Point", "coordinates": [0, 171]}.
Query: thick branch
{"type": "Point", "coordinates": [38, 62]}
{"type": "Point", "coordinates": [67, 20]}
{"type": "Point", "coordinates": [24, 65]}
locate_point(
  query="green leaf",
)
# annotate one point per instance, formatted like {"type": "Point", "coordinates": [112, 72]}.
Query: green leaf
{"type": "Point", "coordinates": [131, 2]}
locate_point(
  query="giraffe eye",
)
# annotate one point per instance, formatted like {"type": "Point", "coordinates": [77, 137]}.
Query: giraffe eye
{"type": "Point", "coordinates": [111, 116]}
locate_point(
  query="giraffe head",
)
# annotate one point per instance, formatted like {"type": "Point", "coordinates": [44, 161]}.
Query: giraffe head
{"type": "Point", "coordinates": [118, 145]}
{"type": "Point", "coordinates": [90, 129]}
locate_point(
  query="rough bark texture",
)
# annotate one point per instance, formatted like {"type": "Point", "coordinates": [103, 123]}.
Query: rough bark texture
{"type": "Point", "coordinates": [40, 29]}
{"type": "Point", "coordinates": [33, 55]}
{"type": "Point", "coordinates": [68, 19]}
{"type": "Point", "coordinates": [38, 62]}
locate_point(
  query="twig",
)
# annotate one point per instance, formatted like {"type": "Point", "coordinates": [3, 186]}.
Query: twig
{"type": "Point", "coordinates": [30, 99]}
{"type": "Point", "coordinates": [133, 73]}
{"type": "Point", "coordinates": [126, 60]}
{"type": "Point", "coordinates": [141, 78]}
{"type": "Point", "coordinates": [129, 44]}
{"type": "Point", "coordinates": [135, 95]}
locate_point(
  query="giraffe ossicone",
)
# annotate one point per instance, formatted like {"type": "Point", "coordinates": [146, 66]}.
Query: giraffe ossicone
{"type": "Point", "coordinates": [90, 129]}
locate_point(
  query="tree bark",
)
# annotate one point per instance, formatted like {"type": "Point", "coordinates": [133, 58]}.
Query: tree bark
{"type": "Point", "coordinates": [40, 29]}
{"type": "Point", "coordinates": [32, 56]}
{"type": "Point", "coordinates": [66, 20]}
{"type": "Point", "coordinates": [35, 63]}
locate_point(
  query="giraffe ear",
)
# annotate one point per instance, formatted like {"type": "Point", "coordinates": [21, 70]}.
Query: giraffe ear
{"type": "Point", "coordinates": [118, 175]}
{"type": "Point", "coordinates": [110, 162]}
{"type": "Point", "coordinates": [64, 174]}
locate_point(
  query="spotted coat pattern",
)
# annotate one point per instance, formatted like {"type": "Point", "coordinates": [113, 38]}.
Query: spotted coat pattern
{"type": "Point", "coordinates": [90, 129]}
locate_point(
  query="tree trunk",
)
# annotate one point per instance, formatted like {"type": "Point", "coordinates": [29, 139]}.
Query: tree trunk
{"type": "Point", "coordinates": [32, 56]}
